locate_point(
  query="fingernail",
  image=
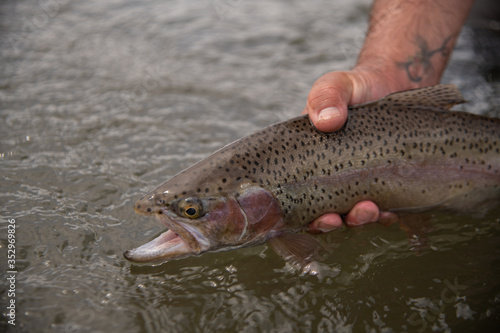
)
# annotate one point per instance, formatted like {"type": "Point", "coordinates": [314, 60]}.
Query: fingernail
{"type": "Point", "coordinates": [329, 224]}
{"type": "Point", "coordinates": [323, 227]}
{"type": "Point", "coordinates": [329, 113]}
{"type": "Point", "coordinates": [367, 216]}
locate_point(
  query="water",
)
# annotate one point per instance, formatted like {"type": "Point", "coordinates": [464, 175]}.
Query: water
{"type": "Point", "coordinates": [102, 101]}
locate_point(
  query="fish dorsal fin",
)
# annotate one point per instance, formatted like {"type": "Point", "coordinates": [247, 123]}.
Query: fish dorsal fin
{"type": "Point", "coordinates": [439, 97]}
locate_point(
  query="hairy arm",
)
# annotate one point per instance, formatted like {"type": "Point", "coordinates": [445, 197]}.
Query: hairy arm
{"type": "Point", "coordinates": [407, 46]}
{"type": "Point", "coordinates": [409, 42]}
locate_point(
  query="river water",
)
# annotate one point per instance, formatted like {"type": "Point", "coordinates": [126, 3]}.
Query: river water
{"type": "Point", "coordinates": [102, 101]}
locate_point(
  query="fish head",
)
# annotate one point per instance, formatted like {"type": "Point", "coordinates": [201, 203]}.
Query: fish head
{"type": "Point", "coordinates": [210, 222]}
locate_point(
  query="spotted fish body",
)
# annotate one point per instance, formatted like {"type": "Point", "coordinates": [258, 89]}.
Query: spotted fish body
{"type": "Point", "coordinates": [405, 152]}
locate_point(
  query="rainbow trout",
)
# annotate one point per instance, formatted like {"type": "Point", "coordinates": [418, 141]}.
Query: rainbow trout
{"type": "Point", "coordinates": [405, 152]}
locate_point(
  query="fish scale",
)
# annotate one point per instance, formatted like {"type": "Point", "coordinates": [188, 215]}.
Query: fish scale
{"type": "Point", "coordinates": [342, 168]}
{"type": "Point", "coordinates": [388, 135]}
{"type": "Point", "coordinates": [405, 152]}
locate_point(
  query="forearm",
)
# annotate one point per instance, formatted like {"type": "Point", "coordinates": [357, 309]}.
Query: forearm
{"type": "Point", "coordinates": [409, 42]}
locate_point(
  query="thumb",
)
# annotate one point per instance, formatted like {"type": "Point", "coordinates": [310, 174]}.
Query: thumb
{"type": "Point", "coordinates": [328, 99]}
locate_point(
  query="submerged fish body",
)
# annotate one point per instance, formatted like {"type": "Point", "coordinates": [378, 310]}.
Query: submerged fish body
{"type": "Point", "coordinates": [405, 152]}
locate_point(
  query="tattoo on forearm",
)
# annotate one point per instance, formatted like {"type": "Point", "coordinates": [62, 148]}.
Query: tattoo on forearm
{"type": "Point", "coordinates": [420, 64]}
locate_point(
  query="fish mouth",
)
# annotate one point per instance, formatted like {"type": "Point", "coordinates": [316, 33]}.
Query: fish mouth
{"type": "Point", "coordinates": [181, 240]}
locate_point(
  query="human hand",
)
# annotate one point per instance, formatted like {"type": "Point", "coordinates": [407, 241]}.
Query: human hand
{"type": "Point", "coordinates": [327, 108]}
{"type": "Point", "coordinates": [397, 54]}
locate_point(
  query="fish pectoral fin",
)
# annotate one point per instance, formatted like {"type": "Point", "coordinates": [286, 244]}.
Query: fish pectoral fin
{"type": "Point", "coordinates": [297, 249]}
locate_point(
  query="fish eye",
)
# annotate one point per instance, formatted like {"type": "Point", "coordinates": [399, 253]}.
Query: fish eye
{"type": "Point", "coordinates": [190, 208]}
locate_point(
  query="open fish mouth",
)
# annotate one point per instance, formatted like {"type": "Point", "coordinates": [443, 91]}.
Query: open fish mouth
{"type": "Point", "coordinates": [181, 240]}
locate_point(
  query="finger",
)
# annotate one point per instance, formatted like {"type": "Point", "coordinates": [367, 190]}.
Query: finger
{"type": "Point", "coordinates": [327, 101]}
{"type": "Point", "coordinates": [388, 218]}
{"type": "Point", "coordinates": [325, 223]}
{"type": "Point", "coordinates": [362, 213]}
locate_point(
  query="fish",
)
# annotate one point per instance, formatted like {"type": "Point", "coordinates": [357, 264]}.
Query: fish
{"type": "Point", "coordinates": [407, 152]}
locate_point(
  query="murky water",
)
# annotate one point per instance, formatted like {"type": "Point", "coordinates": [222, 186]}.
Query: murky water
{"type": "Point", "coordinates": [102, 101]}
